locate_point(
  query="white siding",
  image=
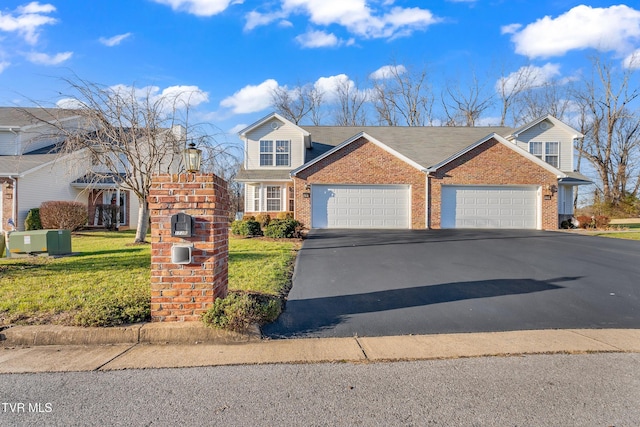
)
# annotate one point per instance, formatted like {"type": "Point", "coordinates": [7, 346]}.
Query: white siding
{"type": "Point", "coordinates": [267, 131]}
{"type": "Point", "coordinates": [51, 182]}
{"type": "Point", "coordinates": [550, 134]}
{"type": "Point", "coordinates": [8, 144]}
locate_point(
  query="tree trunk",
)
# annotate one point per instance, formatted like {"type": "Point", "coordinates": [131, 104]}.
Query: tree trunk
{"type": "Point", "coordinates": [143, 221]}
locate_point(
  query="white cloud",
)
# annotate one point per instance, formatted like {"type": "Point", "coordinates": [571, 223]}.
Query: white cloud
{"type": "Point", "coordinates": [172, 96]}
{"type": "Point", "coordinates": [387, 72]}
{"type": "Point", "coordinates": [632, 61]}
{"type": "Point", "coordinates": [379, 20]}
{"type": "Point", "coordinates": [4, 65]}
{"type": "Point", "coordinates": [257, 19]}
{"type": "Point", "coordinates": [115, 40]}
{"type": "Point", "coordinates": [328, 86]}
{"type": "Point", "coordinates": [251, 99]}
{"type": "Point", "coordinates": [46, 59]}
{"type": "Point", "coordinates": [528, 77]}
{"type": "Point", "coordinates": [200, 7]}
{"type": "Point", "coordinates": [616, 28]}
{"type": "Point", "coordinates": [313, 39]}
{"type": "Point", "coordinates": [27, 20]}
{"type": "Point", "coordinates": [70, 103]}
{"type": "Point", "coordinates": [510, 29]}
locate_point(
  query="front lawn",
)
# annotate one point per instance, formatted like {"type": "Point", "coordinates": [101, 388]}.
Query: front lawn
{"type": "Point", "coordinates": [107, 282]}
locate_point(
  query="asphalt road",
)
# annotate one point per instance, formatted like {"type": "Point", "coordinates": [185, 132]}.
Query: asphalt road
{"type": "Point", "coordinates": [378, 283]}
{"type": "Point", "coordinates": [545, 390]}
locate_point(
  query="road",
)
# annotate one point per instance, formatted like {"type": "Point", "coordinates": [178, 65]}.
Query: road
{"type": "Point", "coordinates": [543, 390]}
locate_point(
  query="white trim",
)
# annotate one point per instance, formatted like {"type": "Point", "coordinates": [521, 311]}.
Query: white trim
{"type": "Point", "coordinates": [353, 139]}
{"type": "Point", "coordinates": [575, 134]}
{"type": "Point", "coordinates": [242, 133]}
{"type": "Point", "coordinates": [526, 154]}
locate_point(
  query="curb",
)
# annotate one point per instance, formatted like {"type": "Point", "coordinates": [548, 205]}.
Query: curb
{"type": "Point", "coordinates": [145, 333]}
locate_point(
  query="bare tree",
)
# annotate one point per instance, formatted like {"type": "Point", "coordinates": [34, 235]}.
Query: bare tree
{"type": "Point", "coordinates": [550, 98]}
{"type": "Point", "coordinates": [612, 137]}
{"type": "Point", "coordinates": [303, 101]}
{"type": "Point", "coordinates": [128, 135]}
{"type": "Point", "coordinates": [463, 107]}
{"type": "Point", "coordinates": [402, 97]}
{"type": "Point", "coordinates": [510, 87]}
{"type": "Point", "coordinates": [351, 104]}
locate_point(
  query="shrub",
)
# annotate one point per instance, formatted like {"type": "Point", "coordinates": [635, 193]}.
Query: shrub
{"type": "Point", "coordinates": [238, 311]}
{"type": "Point", "coordinates": [63, 214]}
{"type": "Point", "coordinates": [263, 219]}
{"type": "Point", "coordinates": [32, 222]}
{"type": "Point", "coordinates": [585, 222]}
{"type": "Point", "coordinates": [284, 215]}
{"type": "Point", "coordinates": [114, 310]}
{"type": "Point", "coordinates": [248, 218]}
{"type": "Point", "coordinates": [282, 228]}
{"type": "Point", "coordinates": [602, 221]}
{"type": "Point", "coordinates": [246, 228]}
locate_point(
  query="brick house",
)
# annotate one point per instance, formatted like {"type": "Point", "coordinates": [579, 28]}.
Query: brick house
{"type": "Point", "coordinates": [411, 177]}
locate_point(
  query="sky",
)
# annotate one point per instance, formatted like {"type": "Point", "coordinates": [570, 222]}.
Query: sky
{"type": "Point", "coordinates": [229, 55]}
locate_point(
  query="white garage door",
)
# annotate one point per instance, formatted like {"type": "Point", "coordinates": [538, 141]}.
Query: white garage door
{"type": "Point", "coordinates": [489, 207]}
{"type": "Point", "coordinates": [360, 206]}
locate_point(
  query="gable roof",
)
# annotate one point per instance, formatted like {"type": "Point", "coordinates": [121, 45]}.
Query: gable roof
{"type": "Point", "coordinates": [553, 120]}
{"type": "Point", "coordinates": [356, 137]}
{"type": "Point", "coordinates": [425, 146]}
{"type": "Point", "coordinates": [506, 143]}
{"type": "Point", "coordinates": [16, 117]}
{"type": "Point", "coordinates": [265, 119]}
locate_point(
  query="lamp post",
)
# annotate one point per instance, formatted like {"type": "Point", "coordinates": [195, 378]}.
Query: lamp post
{"type": "Point", "coordinates": [192, 157]}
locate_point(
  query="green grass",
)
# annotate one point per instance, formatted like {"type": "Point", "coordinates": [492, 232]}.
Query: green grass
{"type": "Point", "coordinates": [627, 235]}
{"type": "Point", "coordinates": [107, 282]}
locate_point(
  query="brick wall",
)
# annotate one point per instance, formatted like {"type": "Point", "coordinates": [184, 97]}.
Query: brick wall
{"type": "Point", "coordinates": [494, 164]}
{"type": "Point", "coordinates": [361, 162]}
{"type": "Point", "coordinates": [182, 292]}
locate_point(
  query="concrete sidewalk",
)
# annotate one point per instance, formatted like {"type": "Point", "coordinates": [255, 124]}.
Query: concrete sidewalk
{"type": "Point", "coordinates": [63, 349]}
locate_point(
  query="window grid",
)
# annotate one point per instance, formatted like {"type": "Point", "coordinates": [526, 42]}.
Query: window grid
{"type": "Point", "coordinates": [266, 153]}
{"type": "Point", "coordinates": [256, 199]}
{"type": "Point", "coordinates": [282, 153]}
{"type": "Point", "coordinates": [549, 153]}
{"type": "Point", "coordinates": [273, 198]}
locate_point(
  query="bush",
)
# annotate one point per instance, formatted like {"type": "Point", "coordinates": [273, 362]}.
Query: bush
{"type": "Point", "coordinates": [263, 219]}
{"type": "Point", "coordinates": [282, 228]}
{"type": "Point", "coordinates": [585, 222]}
{"type": "Point", "coordinates": [602, 221]}
{"type": "Point", "coordinates": [32, 222]}
{"type": "Point", "coordinates": [115, 310]}
{"type": "Point", "coordinates": [238, 311]}
{"type": "Point", "coordinates": [284, 215]}
{"type": "Point", "coordinates": [246, 217]}
{"type": "Point", "coordinates": [63, 214]}
{"type": "Point", "coordinates": [246, 228]}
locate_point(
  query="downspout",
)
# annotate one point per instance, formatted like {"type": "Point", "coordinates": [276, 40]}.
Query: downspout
{"type": "Point", "coordinates": [14, 210]}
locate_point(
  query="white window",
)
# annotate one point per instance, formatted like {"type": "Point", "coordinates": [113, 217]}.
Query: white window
{"type": "Point", "coordinates": [283, 153]}
{"type": "Point", "coordinates": [266, 153]}
{"type": "Point", "coordinates": [273, 198]}
{"type": "Point", "coordinates": [280, 157]}
{"type": "Point", "coordinates": [548, 151]}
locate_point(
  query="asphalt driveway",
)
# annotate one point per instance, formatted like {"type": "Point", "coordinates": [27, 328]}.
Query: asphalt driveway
{"type": "Point", "coordinates": [376, 283]}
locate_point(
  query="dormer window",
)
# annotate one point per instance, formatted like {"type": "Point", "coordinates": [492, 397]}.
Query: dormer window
{"type": "Point", "coordinates": [281, 156]}
{"type": "Point", "coordinates": [547, 151]}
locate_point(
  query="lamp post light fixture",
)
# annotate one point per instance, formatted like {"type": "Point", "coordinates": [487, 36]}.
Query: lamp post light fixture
{"type": "Point", "coordinates": [192, 157]}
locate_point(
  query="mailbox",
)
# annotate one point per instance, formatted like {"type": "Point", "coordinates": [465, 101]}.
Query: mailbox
{"type": "Point", "coordinates": [182, 225]}
{"type": "Point", "coordinates": [182, 254]}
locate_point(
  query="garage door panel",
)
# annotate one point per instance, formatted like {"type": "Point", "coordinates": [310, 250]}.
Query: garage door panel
{"type": "Point", "coordinates": [489, 207]}
{"type": "Point", "coordinates": [360, 206]}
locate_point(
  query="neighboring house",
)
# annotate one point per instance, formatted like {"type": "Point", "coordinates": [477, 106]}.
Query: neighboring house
{"type": "Point", "coordinates": [33, 171]}
{"type": "Point", "coordinates": [411, 177]}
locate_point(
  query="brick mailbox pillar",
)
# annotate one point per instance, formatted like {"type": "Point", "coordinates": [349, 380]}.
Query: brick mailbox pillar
{"type": "Point", "coordinates": [183, 291]}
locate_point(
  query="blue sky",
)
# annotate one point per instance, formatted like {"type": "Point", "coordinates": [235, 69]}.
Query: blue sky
{"type": "Point", "coordinates": [232, 53]}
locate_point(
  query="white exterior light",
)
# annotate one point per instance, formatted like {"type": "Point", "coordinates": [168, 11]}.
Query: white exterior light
{"type": "Point", "coordinates": [192, 157]}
